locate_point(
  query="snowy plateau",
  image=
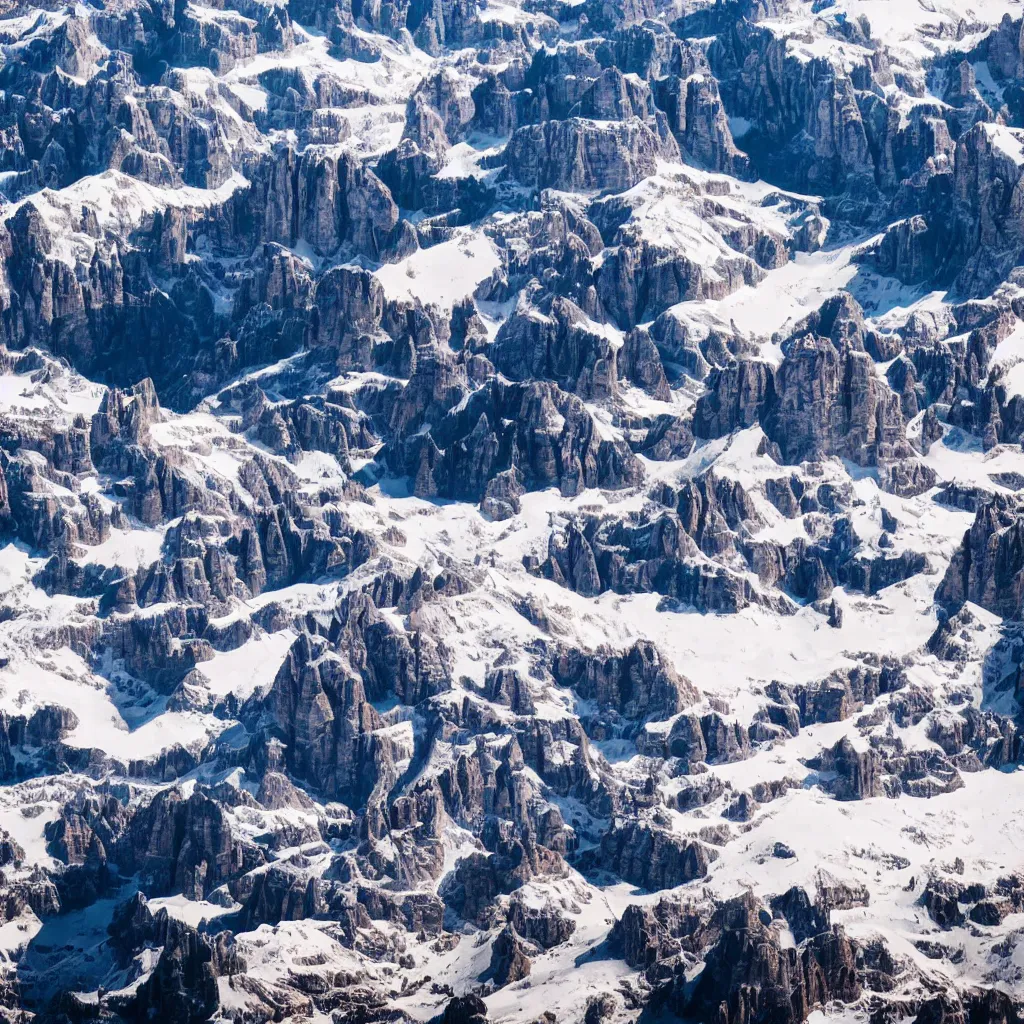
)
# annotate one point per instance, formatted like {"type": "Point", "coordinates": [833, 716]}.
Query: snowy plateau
{"type": "Point", "coordinates": [512, 511]}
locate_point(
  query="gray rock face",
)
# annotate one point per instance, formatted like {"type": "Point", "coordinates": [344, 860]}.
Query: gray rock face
{"type": "Point", "coordinates": [857, 773]}
{"type": "Point", "coordinates": [807, 126]}
{"type": "Point", "coordinates": [536, 432]}
{"type": "Point", "coordinates": [985, 225]}
{"type": "Point", "coordinates": [910, 251]}
{"type": "Point", "coordinates": [581, 154]}
{"type": "Point", "coordinates": [697, 118]}
{"type": "Point", "coordinates": [324, 199]}
{"type": "Point", "coordinates": [509, 960]}
{"type": "Point", "coordinates": [545, 927]}
{"type": "Point", "coordinates": [321, 709]}
{"type": "Point", "coordinates": [636, 282]}
{"type": "Point", "coordinates": [640, 685]}
{"type": "Point", "coordinates": [651, 857]}
{"type": "Point", "coordinates": [799, 402]}
{"type": "Point", "coordinates": [824, 359]}
{"type": "Point", "coordinates": [183, 983]}
{"type": "Point", "coordinates": [738, 396]}
{"type": "Point", "coordinates": [185, 845]}
{"type": "Point", "coordinates": [986, 568]}
{"type": "Point", "coordinates": [559, 345]}
{"type": "Point", "coordinates": [470, 890]}
{"type": "Point", "coordinates": [647, 934]}
{"type": "Point", "coordinates": [841, 694]}
{"type": "Point", "coordinates": [752, 978]}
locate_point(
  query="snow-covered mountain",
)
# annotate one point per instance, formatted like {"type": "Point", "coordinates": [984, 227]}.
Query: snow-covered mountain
{"type": "Point", "coordinates": [512, 511]}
